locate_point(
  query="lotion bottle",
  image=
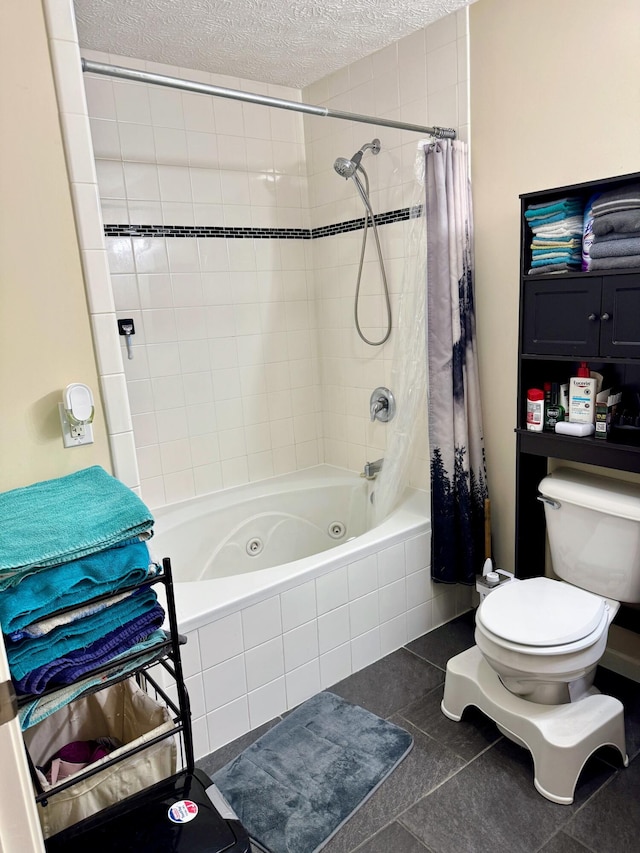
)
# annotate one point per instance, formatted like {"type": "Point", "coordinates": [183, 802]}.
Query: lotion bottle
{"type": "Point", "coordinates": [582, 397]}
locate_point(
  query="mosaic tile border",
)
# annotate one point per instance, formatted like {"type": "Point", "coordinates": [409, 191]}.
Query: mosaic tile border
{"type": "Point", "coordinates": [123, 230]}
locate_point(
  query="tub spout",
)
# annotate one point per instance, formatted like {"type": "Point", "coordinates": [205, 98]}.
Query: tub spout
{"type": "Point", "coordinates": [371, 469]}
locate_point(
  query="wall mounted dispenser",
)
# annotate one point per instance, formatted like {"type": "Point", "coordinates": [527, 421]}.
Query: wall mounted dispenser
{"type": "Point", "coordinates": [76, 415]}
{"type": "Point", "coordinates": [127, 328]}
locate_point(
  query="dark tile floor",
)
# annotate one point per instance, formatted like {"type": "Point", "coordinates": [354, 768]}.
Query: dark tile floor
{"type": "Point", "coordinates": [464, 788]}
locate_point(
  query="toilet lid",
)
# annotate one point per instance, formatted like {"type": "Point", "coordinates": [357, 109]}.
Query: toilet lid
{"type": "Point", "coordinates": [541, 612]}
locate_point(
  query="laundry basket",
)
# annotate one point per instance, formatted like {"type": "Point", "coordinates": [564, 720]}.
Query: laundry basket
{"type": "Point", "coordinates": [123, 711]}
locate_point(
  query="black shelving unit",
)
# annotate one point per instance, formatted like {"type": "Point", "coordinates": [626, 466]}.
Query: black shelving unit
{"type": "Point", "coordinates": [567, 318]}
{"type": "Point", "coordinates": [145, 822]}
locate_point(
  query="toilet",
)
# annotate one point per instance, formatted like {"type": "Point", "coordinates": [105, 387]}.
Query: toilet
{"type": "Point", "coordinates": [539, 641]}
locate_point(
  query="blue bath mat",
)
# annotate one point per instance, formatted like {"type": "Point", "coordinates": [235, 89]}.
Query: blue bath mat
{"type": "Point", "coordinates": [295, 786]}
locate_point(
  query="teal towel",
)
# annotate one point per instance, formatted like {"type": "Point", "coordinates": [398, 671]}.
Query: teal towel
{"type": "Point", "coordinates": [40, 593]}
{"type": "Point", "coordinates": [56, 521]}
{"type": "Point", "coordinates": [29, 654]}
{"type": "Point", "coordinates": [564, 205]}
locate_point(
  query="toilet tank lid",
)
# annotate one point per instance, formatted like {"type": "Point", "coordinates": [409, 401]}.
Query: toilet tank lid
{"type": "Point", "coordinates": [592, 491]}
{"type": "Point", "coordinates": [541, 612]}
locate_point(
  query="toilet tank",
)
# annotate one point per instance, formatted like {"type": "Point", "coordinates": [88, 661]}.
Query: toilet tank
{"type": "Point", "coordinates": [593, 524]}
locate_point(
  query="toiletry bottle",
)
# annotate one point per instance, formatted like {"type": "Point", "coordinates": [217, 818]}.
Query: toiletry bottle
{"type": "Point", "coordinates": [535, 409]}
{"type": "Point", "coordinates": [554, 412]}
{"type": "Point", "coordinates": [582, 397]}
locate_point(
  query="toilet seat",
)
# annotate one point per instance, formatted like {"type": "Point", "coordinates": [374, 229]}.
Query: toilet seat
{"type": "Point", "coordinates": [542, 617]}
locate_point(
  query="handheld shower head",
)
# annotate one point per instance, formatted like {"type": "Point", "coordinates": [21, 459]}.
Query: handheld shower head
{"type": "Point", "coordinates": [347, 168]}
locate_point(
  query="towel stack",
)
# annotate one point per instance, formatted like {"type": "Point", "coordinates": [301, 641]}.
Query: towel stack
{"type": "Point", "coordinates": [64, 542]}
{"type": "Point", "coordinates": [557, 235]}
{"type": "Point", "coordinates": [616, 229]}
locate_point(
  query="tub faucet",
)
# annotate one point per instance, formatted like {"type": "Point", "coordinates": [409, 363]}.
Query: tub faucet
{"type": "Point", "coordinates": [371, 469]}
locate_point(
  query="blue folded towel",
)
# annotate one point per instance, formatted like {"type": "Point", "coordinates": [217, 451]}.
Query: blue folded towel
{"type": "Point", "coordinates": [41, 593]}
{"type": "Point", "coordinates": [29, 654]}
{"type": "Point", "coordinates": [56, 521]}
{"type": "Point", "coordinates": [34, 712]}
{"type": "Point", "coordinates": [80, 662]}
{"type": "Point", "coordinates": [564, 205]}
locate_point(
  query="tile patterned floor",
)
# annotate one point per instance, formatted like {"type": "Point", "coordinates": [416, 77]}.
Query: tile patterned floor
{"type": "Point", "coordinates": [464, 788]}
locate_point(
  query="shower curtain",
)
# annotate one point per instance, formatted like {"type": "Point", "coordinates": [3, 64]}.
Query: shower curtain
{"type": "Point", "coordinates": [456, 445]}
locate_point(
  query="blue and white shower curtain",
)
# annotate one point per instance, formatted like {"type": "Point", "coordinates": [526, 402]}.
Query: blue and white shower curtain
{"type": "Point", "coordinates": [458, 472]}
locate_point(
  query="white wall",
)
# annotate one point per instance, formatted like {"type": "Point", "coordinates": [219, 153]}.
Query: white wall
{"type": "Point", "coordinates": [530, 132]}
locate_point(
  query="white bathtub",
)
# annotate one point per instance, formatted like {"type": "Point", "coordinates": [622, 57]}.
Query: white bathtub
{"type": "Point", "coordinates": [276, 609]}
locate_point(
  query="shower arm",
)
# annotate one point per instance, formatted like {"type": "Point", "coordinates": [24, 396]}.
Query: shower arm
{"type": "Point", "coordinates": [91, 67]}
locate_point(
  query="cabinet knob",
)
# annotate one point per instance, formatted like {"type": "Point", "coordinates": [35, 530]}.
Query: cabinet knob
{"type": "Point", "coordinates": [605, 317]}
{"type": "Point", "coordinates": [592, 317]}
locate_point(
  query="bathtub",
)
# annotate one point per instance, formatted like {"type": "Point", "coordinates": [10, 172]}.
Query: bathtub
{"type": "Point", "coordinates": [283, 588]}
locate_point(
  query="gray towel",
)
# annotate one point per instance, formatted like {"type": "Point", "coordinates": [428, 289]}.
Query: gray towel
{"type": "Point", "coordinates": [620, 198]}
{"type": "Point", "coordinates": [616, 235]}
{"type": "Point", "coordinates": [621, 263]}
{"type": "Point", "coordinates": [615, 248]}
{"type": "Point", "coordinates": [621, 222]}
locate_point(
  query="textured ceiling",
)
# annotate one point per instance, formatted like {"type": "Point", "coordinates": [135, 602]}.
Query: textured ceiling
{"type": "Point", "coordinates": [290, 42]}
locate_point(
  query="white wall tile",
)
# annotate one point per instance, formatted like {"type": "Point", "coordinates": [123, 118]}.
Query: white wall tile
{"type": "Point", "coordinates": [261, 622]}
{"type": "Point", "coordinates": [333, 629]}
{"type": "Point", "coordinates": [220, 640]}
{"type": "Point", "coordinates": [298, 605]}
{"type": "Point", "coordinates": [227, 723]}
{"type": "Point", "coordinates": [264, 663]}
{"type": "Point", "coordinates": [335, 665]}
{"type": "Point", "coordinates": [332, 590]}
{"type": "Point", "coordinates": [300, 645]}
{"type": "Point", "coordinates": [224, 682]}
{"type": "Point", "coordinates": [363, 576]}
{"type": "Point", "coordinates": [302, 683]}
{"type": "Point", "coordinates": [365, 649]}
{"type": "Point", "coordinates": [267, 702]}
{"type": "Point", "coordinates": [363, 614]}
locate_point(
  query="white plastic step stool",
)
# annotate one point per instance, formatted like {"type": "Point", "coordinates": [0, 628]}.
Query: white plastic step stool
{"type": "Point", "coordinates": [560, 737]}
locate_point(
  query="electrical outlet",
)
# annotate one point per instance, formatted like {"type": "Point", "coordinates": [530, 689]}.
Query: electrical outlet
{"type": "Point", "coordinates": [74, 435]}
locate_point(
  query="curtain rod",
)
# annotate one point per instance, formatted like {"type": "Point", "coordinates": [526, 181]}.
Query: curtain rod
{"type": "Point", "coordinates": [92, 67]}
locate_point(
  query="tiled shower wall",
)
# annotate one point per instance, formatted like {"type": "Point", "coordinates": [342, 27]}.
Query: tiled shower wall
{"type": "Point", "coordinates": [245, 360]}
{"type": "Point", "coordinates": [205, 208]}
{"type": "Point", "coordinates": [421, 79]}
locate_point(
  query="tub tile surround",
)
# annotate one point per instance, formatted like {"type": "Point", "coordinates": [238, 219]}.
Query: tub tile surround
{"type": "Point", "coordinates": [245, 363]}
{"type": "Point", "coordinates": [254, 664]}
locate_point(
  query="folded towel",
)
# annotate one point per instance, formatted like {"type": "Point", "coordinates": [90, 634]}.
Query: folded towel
{"type": "Point", "coordinates": [29, 654]}
{"type": "Point", "coordinates": [563, 205]}
{"type": "Point", "coordinates": [539, 254]}
{"type": "Point", "coordinates": [44, 626]}
{"type": "Point", "coordinates": [625, 262]}
{"type": "Point", "coordinates": [41, 593]}
{"type": "Point", "coordinates": [616, 235]}
{"type": "Point", "coordinates": [570, 227]}
{"type": "Point", "coordinates": [620, 222]}
{"type": "Point", "coordinates": [621, 198]}
{"type": "Point", "coordinates": [32, 713]}
{"type": "Point", "coordinates": [575, 260]}
{"type": "Point", "coordinates": [552, 268]}
{"type": "Point", "coordinates": [615, 248]}
{"type": "Point", "coordinates": [60, 520]}
{"type": "Point", "coordinates": [80, 662]}
{"type": "Point", "coordinates": [568, 240]}
{"type": "Point", "coordinates": [537, 221]}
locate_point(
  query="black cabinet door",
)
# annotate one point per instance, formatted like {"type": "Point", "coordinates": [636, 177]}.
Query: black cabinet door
{"type": "Point", "coordinates": [620, 316]}
{"type": "Point", "coordinates": [562, 317]}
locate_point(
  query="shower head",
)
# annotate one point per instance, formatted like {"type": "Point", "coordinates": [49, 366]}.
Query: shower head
{"type": "Point", "coordinates": [347, 168]}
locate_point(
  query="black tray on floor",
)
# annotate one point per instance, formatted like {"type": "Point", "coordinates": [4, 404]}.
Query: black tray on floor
{"type": "Point", "coordinates": [142, 823]}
